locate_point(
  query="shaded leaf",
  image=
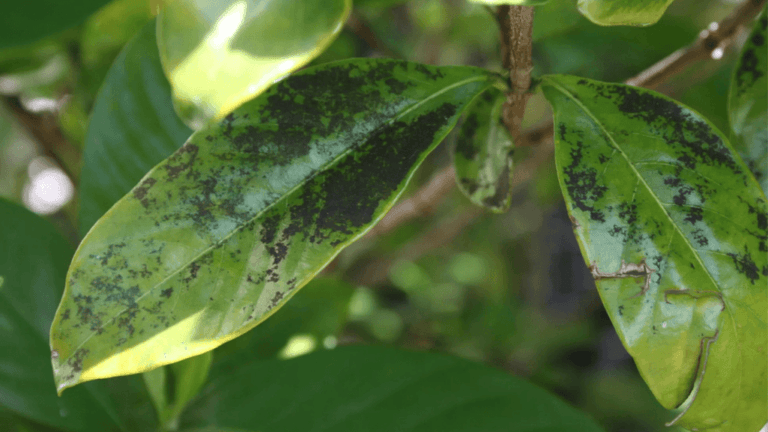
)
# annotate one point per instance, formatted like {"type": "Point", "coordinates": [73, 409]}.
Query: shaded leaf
{"type": "Point", "coordinates": [623, 12]}
{"type": "Point", "coordinates": [674, 229]}
{"type": "Point", "coordinates": [511, 2]}
{"type": "Point", "coordinates": [219, 235]}
{"type": "Point", "coordinates": [33, 263]}
{"type": "Point", "coordinates": [748, 101]}
{"type": "Point", "coordinates": [218, 55]}
{"type": "Point", "coordinates": [133, 127]}
{"type": "Point", "coordinates": [368, 388]}
{"type": "Point", "coordinates": [26, 21]}
{"type": "Point", "coordinates": [483, 154]}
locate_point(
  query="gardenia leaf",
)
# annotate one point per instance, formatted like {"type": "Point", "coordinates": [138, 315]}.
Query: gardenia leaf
{"type": "Point", "coordinates": [219, 235]}
{"type": "Point", "coordinates": [674, 229]}
{"type": "Point", "coordinates": [219, 54]}
{"type": "Point", "coordinates": [748, 101]}
{"type": "Point", "coordinates": [623, 12]}
{"type": "Point", "coordinates": [482, 155]}
{"type": "Point", "coordinates": [377, 389]}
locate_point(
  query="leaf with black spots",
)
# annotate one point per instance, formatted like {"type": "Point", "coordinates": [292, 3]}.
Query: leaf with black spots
{"type": "Point", "coordinates": [674, 229]}
{"type": "Point", "coordinates": [223, 232]}
{"type": "Point", "coordinates": [482, 154]}
{"type": "Point", "coordinates": [748, 101]}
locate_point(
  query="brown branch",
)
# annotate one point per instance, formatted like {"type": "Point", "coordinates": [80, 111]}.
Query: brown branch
{"type": "Point", "coordinates": [46, 131]}
{"type": "Point", "coordinates": [718, 35]}
{"type": "Point", "coordinates": [516, 23]}
{"type": "Point", "coordinates": [430, 195]}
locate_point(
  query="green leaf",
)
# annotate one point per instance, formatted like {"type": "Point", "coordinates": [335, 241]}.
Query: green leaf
{"type": "Point", "coordinates": [483, 154]}
{"type": "Point", "coordinates": [218, 55]}
{"type": "Point", "coordinates": [133, 127]}
{"type": "Point", "coordinates": [26, 21]}
{"type": "Point", "coordinates": [623, 12]}
{"type": "Point", "coordinates": [674, 229]}
{"type": "Point", "coordinates": [368, 388]}
{"type": "Point", "coordinates": [318, 310]}
{"type": "Point", "coordinates": [748, 101]}
{"type": "Point", "coordinates": [33, 263]}
{"type": "Point", "coordinates": [219, 235]}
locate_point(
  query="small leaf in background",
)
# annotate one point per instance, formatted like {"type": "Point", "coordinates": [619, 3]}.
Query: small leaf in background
{"type": "Point", "coordinates": [368, 388]}
{"type": "Point", "coordinates": [748, 101]}
{"type": "Point", "coordinates": [674, 229]}
{"type": "Point", "coordinates": [482, 154]}
{"type": "Point", "coordinates": [218, 55]}
{"type": "Point", "coordinates": [222, 233]}
{"type": "Point", "coordinates": [623, 12]}
{"type": "Point", "coordinates": [23, 22]}
{"type": "Point", "coordinates": [33, 263]}
{"type": "Point", "coordinates": [133, 127]}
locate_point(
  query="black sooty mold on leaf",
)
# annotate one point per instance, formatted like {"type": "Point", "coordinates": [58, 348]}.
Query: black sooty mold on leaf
{"type": "Point", "coordinates": [225, 230]}
{"type": "Point", "coordinates": [673, 227]}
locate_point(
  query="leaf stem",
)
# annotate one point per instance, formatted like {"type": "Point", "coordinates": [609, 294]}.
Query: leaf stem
{"type": "Point", "coordinates": [516, 24]}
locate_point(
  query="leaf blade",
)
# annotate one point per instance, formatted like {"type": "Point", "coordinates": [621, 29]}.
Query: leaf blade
{"type": "Point", "coordinates": [678, 279]}
{"type": "Point", "coordinates": [277, 188]}
{"type": "Point", "coordinates": [623, 12]}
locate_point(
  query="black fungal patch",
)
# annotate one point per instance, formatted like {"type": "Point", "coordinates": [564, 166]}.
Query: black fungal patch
{"type": "Point", "coordinates": [749, 69]}
{"type": "Point", "coordinates": [695, 214]}
{"type": "Point", "coordinates": [581, 181]}
{"type": "Point", "coordinates": [700, 238]}
{"type": "Point", "coordinates": [166, 293]}
{"type": "Point", "coordinates": [746, 265]}
{"type": "Point", "coordinates": [140, 192]}
{"type": "Point", "coordinates": [181, 161]}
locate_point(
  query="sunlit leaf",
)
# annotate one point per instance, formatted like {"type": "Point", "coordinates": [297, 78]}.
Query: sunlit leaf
{"type": "Point", "coordinates": [674, 229]}
{"type": "Point", "coordinates": [623, 12]}
{"type": "Point", "coordinates": [133, 127]}
{"type": "Point", "coordinates": [33, 263]}
{"type": "Point", "coordinates": [368, 388]}
{"type": "Point", "coordinates": [483, 154]}
{"type": "Point", "coordinates": [748, 101]}
{"type": "Point", "coordinates": [225, 230]}
{"type": "Point", "coordinates": [220, 54]}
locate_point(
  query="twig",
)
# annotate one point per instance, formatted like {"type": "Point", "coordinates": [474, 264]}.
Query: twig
{"type": "Point", "coordinates": [430, 195]}
{"type": "Point", "coordinates": [718, 35]}
{"type": "Point", "coordinates": [47, 132]}
{"type": "Point", "coordinates": [516, 24]}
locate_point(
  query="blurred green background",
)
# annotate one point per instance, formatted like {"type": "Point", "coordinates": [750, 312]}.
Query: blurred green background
{"type": "Point", "coordinates": [508, 290]}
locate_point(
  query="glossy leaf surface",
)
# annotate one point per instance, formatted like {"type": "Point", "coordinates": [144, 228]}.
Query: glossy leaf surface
{"type": "Point", "coordinates": [623, 12]}
{"type": "Point", "coordinates": [26, 21]}
{"type": "Point", "coordinates": [220, 54]}
{"type": "Point", "coordinates": [133, 127]}
{"type": "Point", "coordinates": [224, 231]}
{"type": "Point", "coordinates": [368, 388]}
{"type": "Point", "coordinates": [674, 229]}
{"type": "Point", "coordinates": [748, 101]}
{"type": "Point", "coordinates": [33, 263]}
{"type": "Point", "coordinates": [483, 154]}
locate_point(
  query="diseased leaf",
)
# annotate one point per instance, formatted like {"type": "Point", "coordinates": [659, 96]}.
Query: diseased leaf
{"type": "Point", "coordinates": [133, 127]}
{"type": "Point", "coordinates": [674, 229]}
{"type": "Point", "coordinates": [220, 54]}
{"type": "Point", "coordinates": [33, 262]}
{"type": "Point", "coordinates": [511, 2]}
{"type": "Point", "coordinates": [623, 12]}
{"type": "Point", "coordinates": [224, 231]}
{"type": "Point", "coordinates": [368, 388]}
{"type": "Point", "coordinates": [483, 154]}
{"type": "Point", "coordinates": [748, 101]}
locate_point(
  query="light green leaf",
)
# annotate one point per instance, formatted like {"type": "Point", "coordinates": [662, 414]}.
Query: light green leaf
{"type": "Point", "coordinates": [133, 127]}
{"type": "Point", "coordinates": [220, 54]}
{"type": "Point", "coordinates": [748, 101]}
{"type": "Point", "coordinates": [674, 229]}
{"type": "Point", "coordinates": [623, 12]}
{"type": "Point", "coordinates": [219, 235]}
{"type": "Point", "coordinates": [483, 154]}
{"type": "Point", "coordinates": [368, 388]}
{"type": "Point", "coordinates": [33, 263]}
{"type": "Point", "coordinates": [26, 21]}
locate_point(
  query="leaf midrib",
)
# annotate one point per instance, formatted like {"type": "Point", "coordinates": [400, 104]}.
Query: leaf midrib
{"type": "Point", "coordinates": [321, 169]}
